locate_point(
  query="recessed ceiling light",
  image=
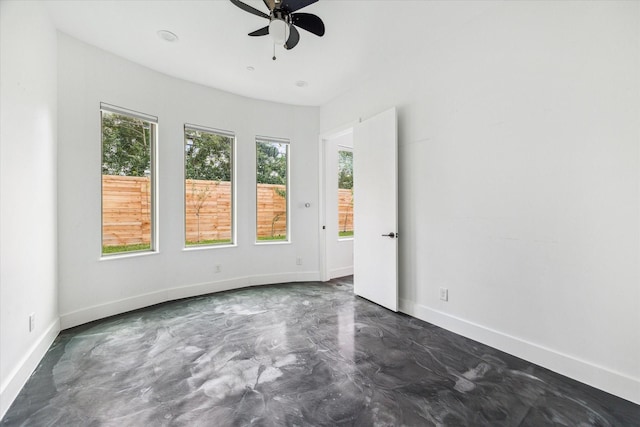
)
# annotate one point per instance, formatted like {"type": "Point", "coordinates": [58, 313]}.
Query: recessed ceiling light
{"type": "Point", "coordinates": [302, 83]}
{"type": "Point", "coordinates": [250, 68]}
{"type": "Point", "coordinates": [167, 36]}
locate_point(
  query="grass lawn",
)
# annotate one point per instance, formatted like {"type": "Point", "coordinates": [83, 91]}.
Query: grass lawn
{"type": "Point", "coordinates": [346, 233]}
{"type": "Point", "coordinates": [208, 242]}
{"type": "Point", "coordinates": [125, 248]}
{"type": "Point", "coordinates": [270, 238]}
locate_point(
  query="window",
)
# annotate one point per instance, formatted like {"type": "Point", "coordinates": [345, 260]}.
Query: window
{"type": "Point", "coordinates": [345, 193]}
{"type": "Point", "coordinates": [128, 151]}
{"type": "Point", "coordinates": [208, 195]}
{"type": "Point", "coordinates": [272, 178]}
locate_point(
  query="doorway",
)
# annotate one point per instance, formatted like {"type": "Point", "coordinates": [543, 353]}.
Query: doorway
{"type": "Point", "coordinates": [373, 257]}
{"type": "Point", "coordinates": [337, 201]}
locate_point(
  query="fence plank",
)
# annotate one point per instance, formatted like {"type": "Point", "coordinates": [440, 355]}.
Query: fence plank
{"type": "Point", "coordinates": [345, 209]}
{"type": "Point", "coordinates": [126, 214]}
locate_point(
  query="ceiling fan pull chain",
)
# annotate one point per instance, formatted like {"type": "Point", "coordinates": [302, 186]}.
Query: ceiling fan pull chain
{"type": "Point", "coordinates": [274, 51]}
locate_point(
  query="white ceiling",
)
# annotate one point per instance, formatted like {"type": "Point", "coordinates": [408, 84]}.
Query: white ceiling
{"type": "Point", "coordinates": [214, 49]}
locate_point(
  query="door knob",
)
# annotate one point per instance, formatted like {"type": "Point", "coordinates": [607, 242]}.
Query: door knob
{"type": "Point", "coordinates": [392, 235]}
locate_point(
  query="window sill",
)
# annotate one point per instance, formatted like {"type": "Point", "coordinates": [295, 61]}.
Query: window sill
{"type": "Point", "coordinates": [196, 248]}
{"type": "Point", "coordinates": [268, 242]}
{"type": "Point", "coordinates": [127, 255]}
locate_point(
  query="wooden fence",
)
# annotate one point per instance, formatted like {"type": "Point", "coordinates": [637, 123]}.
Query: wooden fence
{"type": "Point", "coordinates": [126, 213]}
{"type": "Point", "coordinates": [345, 210]}
{"type": "Point", "coordinates": [126, 210]}
{"type": "Point", "coordinates": [272, 210]}
{"type": "Point", "coordinates": [208, 210]}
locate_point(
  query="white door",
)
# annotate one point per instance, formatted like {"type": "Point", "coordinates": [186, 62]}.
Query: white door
{"type": "Point", "coordinates": [375, 246]}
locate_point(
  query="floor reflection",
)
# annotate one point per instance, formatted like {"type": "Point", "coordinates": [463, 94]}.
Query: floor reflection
{"type": "Point", "coordinates": [294, 354]}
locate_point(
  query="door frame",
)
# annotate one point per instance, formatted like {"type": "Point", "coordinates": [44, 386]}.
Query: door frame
{"type": "Point", "coordinates": [322, 193]}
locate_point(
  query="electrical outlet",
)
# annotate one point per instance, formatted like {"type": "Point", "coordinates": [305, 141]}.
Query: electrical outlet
{"type": "Point", "coordinates": [444, 294]}
{"type": "Point", "coordinates": [218, 268]}
{"type": "Point", "coordinates": [32, 322]}
{"type": "Point", "coordinates": [298, 261]}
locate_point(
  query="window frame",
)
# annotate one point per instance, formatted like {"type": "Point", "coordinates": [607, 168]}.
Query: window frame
{"type": "Point", "coordinates": [153, 181]}
{"type": "Point", "coordinates": [234, 236]}
{"type": "Point", "coordinates": [349, 150]}
{"type": "Point", "coordinates": [287, 142]}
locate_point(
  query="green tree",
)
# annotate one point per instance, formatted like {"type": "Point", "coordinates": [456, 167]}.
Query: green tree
{"type": "Point", "coordinates": [207, 156]}
{"type": "Point", "coordinates": [345, 169]}
{"type": "Point", "coordinates": [126, 145]}
{"type": "Point", "coordinates": [271, 163]}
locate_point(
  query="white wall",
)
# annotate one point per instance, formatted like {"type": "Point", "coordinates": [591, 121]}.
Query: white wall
{"type": "Point", "coordinates": [519, 181]}
{"type": "Point", "coordinates": [91, 288]}
{"type": "Point", "coordinates": [28, 189]}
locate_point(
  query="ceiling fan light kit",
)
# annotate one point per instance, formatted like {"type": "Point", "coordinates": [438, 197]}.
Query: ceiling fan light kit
{"type": "Point", "coordinates": [283, 21]}
{"type": "Point", "coordinates": [278, 31]}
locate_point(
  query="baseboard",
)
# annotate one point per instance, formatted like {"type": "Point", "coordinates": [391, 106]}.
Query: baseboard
{"type": "Point", "coordinates": [586, 372]}
{"type": "Point", "coordinates": [89, 314]}
{"type": "Point", "coordinates": [18, 377]}
{"type": "Point", "coordinates": [341, 272]}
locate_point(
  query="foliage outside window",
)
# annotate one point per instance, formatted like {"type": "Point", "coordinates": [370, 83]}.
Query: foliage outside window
{"type": "Point", "coordinates": [127, 182]}
{"type": "Point", "coordinates": [345, 193]}
{"type": "Point", "coordinates": [208, 187]}
{"type": "Point", "coordinates": [272, 178]}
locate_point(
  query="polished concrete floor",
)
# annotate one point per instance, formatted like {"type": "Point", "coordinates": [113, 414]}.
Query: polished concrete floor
{"type": "Point", "coordinates": [307, 354]}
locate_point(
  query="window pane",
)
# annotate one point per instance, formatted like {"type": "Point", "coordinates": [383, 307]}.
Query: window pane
{"type": "Point", "coordinates": [272, 171]}
{"type": "Point", "coordinates": [208, 188]}
{"type": "Point", "coordinates": [127, 184]}
{"type": "Point", "coordinates": [345, 193]}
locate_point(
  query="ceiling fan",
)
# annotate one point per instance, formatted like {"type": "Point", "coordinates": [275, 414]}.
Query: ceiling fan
{"type": "Point", "coordinates": [283, 21]}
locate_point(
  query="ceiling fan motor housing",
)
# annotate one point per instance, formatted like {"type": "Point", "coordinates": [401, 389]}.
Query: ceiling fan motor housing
{"type": "Point", "coordinates": [281, 14]}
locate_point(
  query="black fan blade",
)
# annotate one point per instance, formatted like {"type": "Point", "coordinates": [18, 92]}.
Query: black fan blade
{"type": "Point", "coordinates": [309, 22]}
{"type": "Point", "coordinates": [294, 38]}
{"type": "Point", "coordinates": [293, 5]}
{"type": "Point", "coordinates": [249, 9]}
{"type": "Point", "coordinates": [261, 32]}
{"type": "Point", "coordinates": [271, 4]}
